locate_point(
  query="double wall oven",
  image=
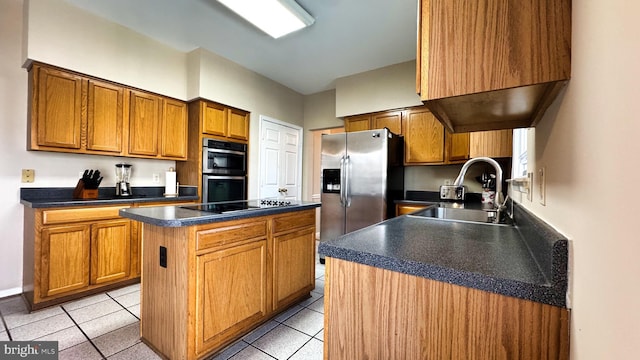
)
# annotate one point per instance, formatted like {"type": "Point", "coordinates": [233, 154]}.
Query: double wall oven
{"type": "Point", "coordinates": [224, 171]}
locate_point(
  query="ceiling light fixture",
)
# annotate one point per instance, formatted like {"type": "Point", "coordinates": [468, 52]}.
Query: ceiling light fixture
{"type": "Point", "coordinates": [275, 17]}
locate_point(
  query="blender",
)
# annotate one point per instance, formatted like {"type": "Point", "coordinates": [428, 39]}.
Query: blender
{"type": "Point", "coordinates": [123, 172]}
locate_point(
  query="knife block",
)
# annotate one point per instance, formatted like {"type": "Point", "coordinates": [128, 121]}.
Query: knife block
{"type": "Point", "coordinates": [81, 193]}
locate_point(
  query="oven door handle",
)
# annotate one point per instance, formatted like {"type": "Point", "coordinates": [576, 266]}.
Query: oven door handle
{"type": "Point", "coordinates": [213, 150]}
{"type": "Point", "coordinates": [222, 177]}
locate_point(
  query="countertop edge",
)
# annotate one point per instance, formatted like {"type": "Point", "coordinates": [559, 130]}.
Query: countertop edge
{"type": "Point", "coordinates": [99, 202]}
{"type": "Point", "coordinates": [546, 294]}
{"type": "Point", "coordinates": [201, 218]}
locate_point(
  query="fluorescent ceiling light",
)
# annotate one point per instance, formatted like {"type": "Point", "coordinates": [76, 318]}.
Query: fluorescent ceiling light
{"type": "Point", "coordinates": [275, 17]}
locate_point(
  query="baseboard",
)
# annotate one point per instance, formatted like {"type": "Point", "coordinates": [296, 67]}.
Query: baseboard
{"type": "Point", "coordinates": [10, 292]}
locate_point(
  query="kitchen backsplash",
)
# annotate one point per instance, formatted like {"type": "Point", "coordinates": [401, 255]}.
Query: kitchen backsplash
{"type": "Point", "coordinates": [429, 178]}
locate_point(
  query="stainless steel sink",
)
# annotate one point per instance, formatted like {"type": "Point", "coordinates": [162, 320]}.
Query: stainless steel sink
{"type": "Point", "coordinates": [459, 214]}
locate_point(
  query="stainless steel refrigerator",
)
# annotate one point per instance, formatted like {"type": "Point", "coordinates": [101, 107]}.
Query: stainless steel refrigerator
{"type": "Point", "coordinates": [361, 176]}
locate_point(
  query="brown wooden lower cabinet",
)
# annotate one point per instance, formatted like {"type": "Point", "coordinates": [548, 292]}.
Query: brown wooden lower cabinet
{"type": "Point", "coordinates": [70, 252]}
{"type": "Point", "coordinates": [403, 209]}
{"type": "Point", "coordinates": [372, 313]}
{"type": "Point", "coordinates": [222, 279]}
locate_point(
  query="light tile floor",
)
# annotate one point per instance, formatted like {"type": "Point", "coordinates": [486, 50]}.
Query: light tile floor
{"type": "Point", "coordinates": [107, 326]}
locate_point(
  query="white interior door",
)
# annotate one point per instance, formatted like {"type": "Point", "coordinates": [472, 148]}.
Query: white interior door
{"type": "Point", "coordinates": [280, 159]}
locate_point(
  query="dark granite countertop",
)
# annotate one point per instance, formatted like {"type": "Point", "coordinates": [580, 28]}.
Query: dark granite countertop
{"type": "Point", "coordinates": [63, 197]}
{"type": "Point", "coordinates": [527, 261]}
{"type": "Point", "coordinates": [178, 216]}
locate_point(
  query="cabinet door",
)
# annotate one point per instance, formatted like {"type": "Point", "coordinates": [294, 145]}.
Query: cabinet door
{"type": "Point", "coordinates": [457, 146]}
{"type": "Point", "coordinates": [238, 125]}
{"type": "Point", "coordinates": [403, 209]}
{"type": "Point", "coordinates": [390, 120]}
{"type": "Point", "coordinates": [497, 143]}
{"type": "Point", "coordinates": [357, 123]}
{"type": "Point", "coordinates": [173, 132]}
{"type": "Point", "coordinates": [424, 137]}
{"type": "Point", "coordinates": [144, 116]}
{"type": "Point", "coordinates": [104, 118]}
{"type": "Point", "coordinates": [214, 119]}
{"type": "Point", "coordinates": [231, 293]}
{"type": "Point", "coordinates": [110, 251]}
{"type": "Point", "coordinates": [294, 268]}
{"type": "Point", "coordinates": [58, 114]}
{"type": "Point", "coordinates": [64, 259]}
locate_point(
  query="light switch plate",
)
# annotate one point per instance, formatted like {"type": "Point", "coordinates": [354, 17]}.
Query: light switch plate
{"type": "Point", "coordinates": [542, 186]}
{"type": "Point", "coordinates": [28, 175]}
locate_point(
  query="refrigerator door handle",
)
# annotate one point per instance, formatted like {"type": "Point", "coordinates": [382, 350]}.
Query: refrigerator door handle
{"type": "Point", "coordinates": [347, 170]}
{"type": "Point", "coordinates": [342, 181]}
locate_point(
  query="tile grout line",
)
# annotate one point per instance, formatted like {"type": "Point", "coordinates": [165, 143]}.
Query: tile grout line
{"type": "Point", "coordinates": [83, 333]}
{"type": "Point", "coordinates": [6, 327]}
{"type": "Point", "coordinates": [122, 306]}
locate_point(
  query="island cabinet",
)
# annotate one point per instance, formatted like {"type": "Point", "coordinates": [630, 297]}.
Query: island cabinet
{"type": "Point", "coordinates": [381, 314]}
{"type": "Point", "coordinates": [204, 286]}
{"type": "Point", "coordinates": [70, 252]}
{"type": "Point", "coordinates": [72, 112]}
{"type": "Point", "coordinates": [492, 64]}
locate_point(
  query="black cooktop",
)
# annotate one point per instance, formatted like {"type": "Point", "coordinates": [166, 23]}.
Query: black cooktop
{"type": "Point", "coordinates": [225, 207]}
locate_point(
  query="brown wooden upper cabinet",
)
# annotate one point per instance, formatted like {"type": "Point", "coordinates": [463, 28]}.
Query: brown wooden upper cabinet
{"type": "Point", "coordinates": [380, 120]}
{"type": "Point", "coordinates": [56, 112]}
{"type": "Point", "coordinates": [105, 118]}
{"type": "Point", "coordinates": [492, 64]}
{"type": "Point", "coordinates": [426, 140]}
{"type": "Point", "coordinates": [144, 115]}
{"type": "Point", "coordinates": [423, 137]}
{"type": "Point", "coordinates": [71, 112]}
{"type": "Point", "coordinates": [224, 122]}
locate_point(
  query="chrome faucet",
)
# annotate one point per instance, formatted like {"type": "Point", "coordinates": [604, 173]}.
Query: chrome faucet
{"type": "Point", "coordinates": [463, 172]}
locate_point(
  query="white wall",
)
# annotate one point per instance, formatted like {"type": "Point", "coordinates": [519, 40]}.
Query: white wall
{"type": "Point", "coordinates": [228, 83]}
{"type": "Point", "coordinates": [589, 143]}
{"type": "Point", "coordinates": [319, 113]}
{"type": "Point", "coordinates": [63, 35]}
{"type": "Point", "coordinates": [59, 34]}
{"type": "Point", "coordinates": [387, 88]}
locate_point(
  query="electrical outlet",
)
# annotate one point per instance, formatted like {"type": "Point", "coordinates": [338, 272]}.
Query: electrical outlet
{"type": "Point", "coordinates": [542, 186]}
{"type": "Point", "coordinates": [156, 178]}
{"type": "Point", "coordinates": [28, 175]}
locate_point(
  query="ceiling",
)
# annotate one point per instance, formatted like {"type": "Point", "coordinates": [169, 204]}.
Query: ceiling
{"type": "Point", "coordinates": [348, 36]}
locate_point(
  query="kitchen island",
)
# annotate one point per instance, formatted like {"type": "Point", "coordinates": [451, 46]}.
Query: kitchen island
{"type": "Point", "coordinates": [421, 288]}
{"type": "Point", "coordinates": [213, 272]}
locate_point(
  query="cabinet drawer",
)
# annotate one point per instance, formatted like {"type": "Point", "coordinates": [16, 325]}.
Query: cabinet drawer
{"type": "Point", "coordinates": [78, 215]}
{"type": "Point", "coordinates": [294, 220]}
{"type": "Point", "coordinates": [230, 234]}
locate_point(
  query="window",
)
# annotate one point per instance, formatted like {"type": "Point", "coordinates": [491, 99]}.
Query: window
{"type": "Point", "coordinates": [519, 164]}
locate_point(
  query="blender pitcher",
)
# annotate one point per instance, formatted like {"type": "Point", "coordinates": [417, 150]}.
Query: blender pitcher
{"type": "Point", "coordinates": [123, 173]}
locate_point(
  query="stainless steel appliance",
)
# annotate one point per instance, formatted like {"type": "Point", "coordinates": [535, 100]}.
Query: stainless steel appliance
{"type": "Point", "coordinates": [224, 157]}
{"type": "Point", "coordinates": [362, 175]}
{"type": "Point", "coordinates": [224, 171]}
{"type": "Point", "coordinates": [223, 188]}
{"type": "Point", "coordinates": [123, 173]}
